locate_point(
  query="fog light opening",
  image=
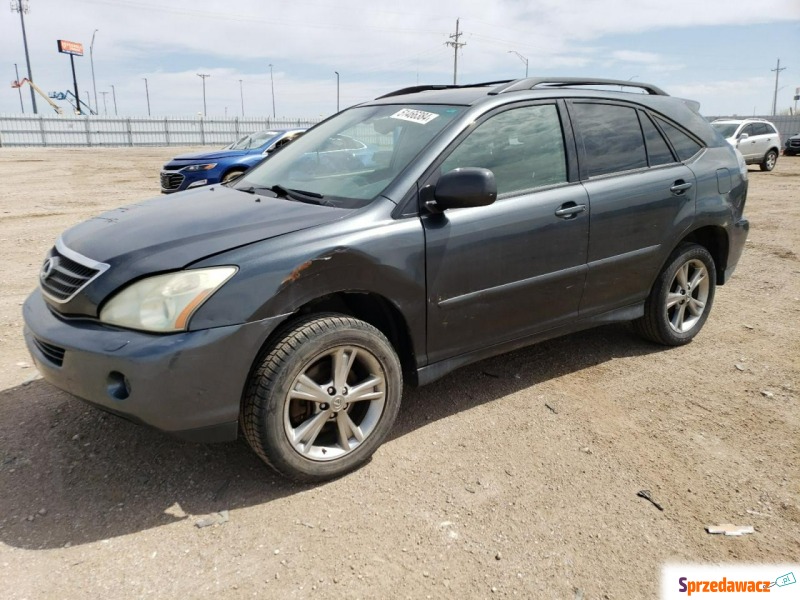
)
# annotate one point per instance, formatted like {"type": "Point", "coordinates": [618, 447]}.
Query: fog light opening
{"type": "Point", "coordinates": [119, 388]}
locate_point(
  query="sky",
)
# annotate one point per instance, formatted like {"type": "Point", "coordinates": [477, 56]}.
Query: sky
{"type": "Point", "coordinates": [719, 52]}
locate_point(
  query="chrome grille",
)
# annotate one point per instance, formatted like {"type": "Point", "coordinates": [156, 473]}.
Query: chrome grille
{"type": "Point", "coordinates": [65, 273]}
{"type": "Point", "coordinates": [52, 353]}
{"type": "Point", "coordinates": [794, 143]}
{"type": "Point", "coordinates": [171, 181]}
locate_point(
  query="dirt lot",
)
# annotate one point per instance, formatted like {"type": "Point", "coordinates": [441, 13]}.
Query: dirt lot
{"type": "Point", "coordinates": [517, 476]}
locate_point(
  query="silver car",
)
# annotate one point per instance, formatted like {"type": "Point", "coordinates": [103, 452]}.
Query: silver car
{"type": "Point", "coordinates": [757, 139]}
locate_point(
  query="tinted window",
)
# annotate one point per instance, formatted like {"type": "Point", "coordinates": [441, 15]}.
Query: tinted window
{"type": "Point", "coordinates": [523, 147]}
{"type": "Point", "coordinates": [762, 129]}
{"type": "Point", "coordinates": [749, 129]}
{"type": "Point", "coordinates": [612, 138]}
{"type": "Point", "coordinates": [658, 152]}
{"type": "Point", "coordinates": [770, 128]}
{"type": "Point", "coordinates": [685, 146]}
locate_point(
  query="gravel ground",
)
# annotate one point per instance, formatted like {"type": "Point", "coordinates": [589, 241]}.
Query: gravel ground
{"type": "Point", "coordinates": [515, 477]}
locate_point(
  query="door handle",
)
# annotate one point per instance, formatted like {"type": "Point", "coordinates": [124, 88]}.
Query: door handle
{"type": "Point", "coordinates": [680, 187]}
{"type": "Point", "coordinates": [570, 210]}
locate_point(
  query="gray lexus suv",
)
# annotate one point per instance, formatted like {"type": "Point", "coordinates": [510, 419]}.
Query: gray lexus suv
{"type": "Point", "coordinates": [292, 305]}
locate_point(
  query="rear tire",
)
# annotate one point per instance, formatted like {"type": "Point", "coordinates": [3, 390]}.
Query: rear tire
{"type": "Point", "coordinates": [770, 158]}
{"type": "Point", "coordinates": [681, 298]}
{"type": "Point", "coordinates": [323, 398]}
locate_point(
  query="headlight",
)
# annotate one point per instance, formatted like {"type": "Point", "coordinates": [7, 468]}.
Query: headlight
{"type": "Point", "coordinates": [205, 167]}
{"type": "Point", "coordinates": [164, 303]}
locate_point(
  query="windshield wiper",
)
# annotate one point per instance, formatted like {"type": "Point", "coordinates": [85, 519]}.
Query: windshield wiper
{"type": "Point", "coordinates": [290, 194]}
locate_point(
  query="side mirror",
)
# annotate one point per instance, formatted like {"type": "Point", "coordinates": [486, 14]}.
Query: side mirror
{"type": "Point", "coordinates": [463, 188]}
{"type": "Point", "coordinates": [743, 136]}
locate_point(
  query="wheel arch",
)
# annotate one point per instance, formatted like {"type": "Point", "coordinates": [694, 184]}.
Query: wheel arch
{"type": "Point", "coordinates": [714, 239]}
{"type": "Point", "coordinates": [369, 307]}
{"type": "Point", "coordinates": [231, 168]}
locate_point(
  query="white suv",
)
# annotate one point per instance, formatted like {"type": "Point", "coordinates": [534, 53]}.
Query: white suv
{"type": "Point", "coordinates": [757, 139]}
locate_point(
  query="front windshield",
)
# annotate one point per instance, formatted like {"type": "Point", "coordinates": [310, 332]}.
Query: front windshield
{"type": "Point", "coordinates": [726, 130]}
{"type": "Point", "coordinates": [254, 140]}
{"type": "Point", "coordinates": [350, 159]}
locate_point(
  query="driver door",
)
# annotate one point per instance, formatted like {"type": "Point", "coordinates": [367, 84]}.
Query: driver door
{"type": "Point", "coordinates": [518, 266]}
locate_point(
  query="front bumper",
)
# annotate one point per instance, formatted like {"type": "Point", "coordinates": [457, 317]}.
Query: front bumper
{"type": "Point", "coordinates": [187, 384]}
{"type": "Point", "coordinates": [178, 181]}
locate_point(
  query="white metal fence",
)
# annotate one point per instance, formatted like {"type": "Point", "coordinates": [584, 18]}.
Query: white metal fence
{"type": "Point", "coordinates": [87, 130]}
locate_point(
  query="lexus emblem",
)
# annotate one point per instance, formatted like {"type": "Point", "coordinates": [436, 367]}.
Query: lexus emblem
{"type": "Point", "coordinates": [48, 267]}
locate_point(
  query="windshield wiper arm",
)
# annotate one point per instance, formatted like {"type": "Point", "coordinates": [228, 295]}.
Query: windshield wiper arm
{"type": "Point", "coordinates": [299, 195]}
{"type": "Point", "coordinates": [291, 194]}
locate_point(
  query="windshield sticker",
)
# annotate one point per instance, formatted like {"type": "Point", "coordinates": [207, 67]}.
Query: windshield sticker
{"type": "Point", "coordinates": [415, 116]}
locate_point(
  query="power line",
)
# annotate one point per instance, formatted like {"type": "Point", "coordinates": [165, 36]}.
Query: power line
{"type": "Point", "coordinates": [455, 44]}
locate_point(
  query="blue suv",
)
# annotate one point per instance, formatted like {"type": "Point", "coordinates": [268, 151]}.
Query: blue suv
{"type": "Point", "coordinates": [195, 170]}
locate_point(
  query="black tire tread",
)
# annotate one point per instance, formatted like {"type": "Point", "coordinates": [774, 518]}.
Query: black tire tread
{"type": "Point", "coordinates": [288, 341]}
{"type": "Point", "coordinates": [647, 325]}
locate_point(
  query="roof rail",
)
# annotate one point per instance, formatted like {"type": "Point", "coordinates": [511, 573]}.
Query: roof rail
{"type": "Point", "coordinates": [532, 82]}
{"type": "Point", "coordinates": [424, 88]}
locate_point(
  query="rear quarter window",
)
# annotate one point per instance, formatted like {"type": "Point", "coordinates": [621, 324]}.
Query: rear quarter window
{"type": "Point", "coordinates": [684, 145]}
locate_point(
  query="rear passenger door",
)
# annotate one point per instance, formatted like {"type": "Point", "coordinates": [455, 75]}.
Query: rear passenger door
{"type": "Point", "coordinates": [641, 197]}
{"type": "Point", "coordinates": [501, 272]}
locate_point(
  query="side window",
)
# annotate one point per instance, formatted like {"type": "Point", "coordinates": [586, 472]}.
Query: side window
{"type": "Point", "coordinates": [762, 129]}
{"type": "Point", "coordinates": [749, 129]}
{"type": "Point", "coordinates": [612, 138]}
{"type": "Point", "coordinates": [685, 146]}
{"type": "Point", "coordinates": [770, 128]}
{"type": "Point", "coordinates": [658, 152]}
{"type": "Point", "coordinates": [523, 147]}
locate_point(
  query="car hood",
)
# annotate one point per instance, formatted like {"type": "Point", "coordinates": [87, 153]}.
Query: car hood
{"type": "Point", "coordinates": [171, 232]}
{"type": "Point", "coordinates": [213, 155]}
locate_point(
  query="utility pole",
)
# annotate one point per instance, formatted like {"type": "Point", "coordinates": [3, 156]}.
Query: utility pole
{"type": "Point", "coordinates": [91, 60]}
{"type": "Point", "coordinates": [147, 91]}
{"type": "Point", "coordinates": [456, 45]}
{"type": "Point", "coordinates": [19, 89]}
{"type": "Point", "coordinates": [21, 6]}
{"type": "Point", "coordinates": [272, 84]}
{"type": "Point", "coordinates": [777, 70]}
{"type": "Point", "coordinates": [114, 95]}
{"type": "Point", "coordinates": [105, 106]}
{"type": "Point", "coordinates": [203, 76]}
{"type": "Point", "coordinates": [241, 95]}
{"type": "Point", "coordinates": [337, 91]}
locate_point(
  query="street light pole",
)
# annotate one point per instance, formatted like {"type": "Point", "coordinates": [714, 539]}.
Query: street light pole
{"type": "Point", "coordinates": [21, 6]}
{"type": "Point", "coordinates": [337, 91]}
{"type": "Point", "coordinates": [241, 95]}
{"type": "Point", "coordinates": [522, 58]}
{"type": "Point", "coordinates": [272, 84]}
{"type": "Point", "coordinates": [19, 89]}
{"type": "Point", "coordinates": [147, 91]}
{"type": "Point", "coordinates": [114, 95]}
{"type": "Point", "coordinates": [105, 106]}
{"type": "Point", "coordinates": [91, 60]}
{"type": "Point", "coordinates": [203, 77]}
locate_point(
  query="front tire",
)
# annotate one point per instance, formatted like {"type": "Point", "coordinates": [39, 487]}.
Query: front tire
{"type": "Point", "coordinates": [681, 298]}
{"type": "Point", "coordinates": [770, 159]}
{"type": "Point", "coordinates": [323, 398]}
{"type": "Point", "coordinates": [231, 175]}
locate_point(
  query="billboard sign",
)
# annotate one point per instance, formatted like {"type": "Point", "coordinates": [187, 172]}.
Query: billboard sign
{"type": "Point", "coordinates": [66, 47]}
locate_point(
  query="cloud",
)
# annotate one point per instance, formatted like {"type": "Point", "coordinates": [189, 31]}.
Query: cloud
{"type": "Point", "coordinates": [375, 46]}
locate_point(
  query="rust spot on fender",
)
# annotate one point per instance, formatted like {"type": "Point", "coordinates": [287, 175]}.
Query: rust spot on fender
{"type": "Point", "coordinates": [295, 274]}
